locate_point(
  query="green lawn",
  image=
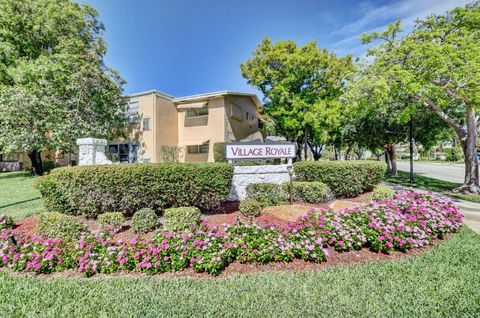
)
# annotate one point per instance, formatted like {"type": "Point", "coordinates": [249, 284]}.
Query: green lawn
{"type": "Point", "coordinates": [443, 282]}
{"type": "Point", "coordinates": [17, 196]}
{"type": "Point", "coordinates": [426, 183]}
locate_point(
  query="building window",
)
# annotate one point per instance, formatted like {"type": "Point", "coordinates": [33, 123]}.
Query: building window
{"type": "Point", "coordinates": [200, 149]}
{"type": "Point", "coordinates": [133, 112]}
{"type": "Point", "coordinates": [125, 153]}
{"type": "Point", "coordinates": [236, 112]}
{"type": "Point", "coordinates": [146, 124]}
{"type": "Point", "coordinates": [197, 112]}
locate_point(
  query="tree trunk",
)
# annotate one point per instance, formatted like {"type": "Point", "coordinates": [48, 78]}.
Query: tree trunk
{"type": "Point", "coordinates": [387, 159]}
{"type": "Point", "coordinates": [37, 165]}
{"type": "Point", "coordinates": [469, 147]}
{"type": "Point", "coordinates": [299, 150]}
{"type": "Point", "coordinates": [392, 159]}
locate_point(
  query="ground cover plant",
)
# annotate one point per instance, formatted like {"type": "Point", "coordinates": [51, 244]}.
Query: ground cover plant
{"type": "Point", "coordinates": [410, 220]}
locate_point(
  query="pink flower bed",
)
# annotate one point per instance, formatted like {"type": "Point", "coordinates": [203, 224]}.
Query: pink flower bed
{"type": "Point", "coordinates": [412, 219]}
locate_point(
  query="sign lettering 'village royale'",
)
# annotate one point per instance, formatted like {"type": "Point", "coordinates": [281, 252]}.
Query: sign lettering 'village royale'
{"type": "Point", "coordinates": [260, 151]}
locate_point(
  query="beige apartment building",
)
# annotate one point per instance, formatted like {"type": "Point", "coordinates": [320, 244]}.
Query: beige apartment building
{"type": "Point", "coordinates": [191, 125]}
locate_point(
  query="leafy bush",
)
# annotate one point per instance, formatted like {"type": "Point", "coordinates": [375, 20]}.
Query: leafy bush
{"type": "Point", "coordinates": [94, 190]}
{"type": "Point", "coordinates": [383, 192]}
{"type": "Point", "coordinates": [219, 152]}
{"type": "Point", "coordinates": [251, 207]}
{"type": "Point", "coordinates": [345, 178]}
{"type": "Point", "coordinates": [183, 217]}
{"type": "Point", "coordinates": [309, 192]}
{"type": "Point", "coordinates": [6, 222]}
{"type": "Point", "coordinates": [144, 220]}
{"type": "Point", "coordinates": [454, 154]}
{"type": "Point", "coordinates": [59, 225]}
{"type": "Point", "coordinates": [48, 165]}
{"type": "Point", "coordinates": [113, 220]}
{"type": "Point", "coordinates": [267, 194]}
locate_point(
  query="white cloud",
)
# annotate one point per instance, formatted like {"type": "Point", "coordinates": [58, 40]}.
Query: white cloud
{"type": "Point", "coordinates": [406, 10]}
{"type": "Point", "coordinates": [377, 18]}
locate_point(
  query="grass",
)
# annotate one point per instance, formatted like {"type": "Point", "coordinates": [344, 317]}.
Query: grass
{"type": "Point", "coordinates": [426, 183]}
{"type": "Point", "coordinates": [442, 282]}
{"type": "Point", "coordinates": [18, 198]}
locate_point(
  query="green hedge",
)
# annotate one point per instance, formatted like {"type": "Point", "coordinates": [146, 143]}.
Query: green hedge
{"type": "Point", "coordinates": [93, 190]}
{"type": "Point", "coordinates": [251, 207]}
{"type": "Point", "coordinates": [345, 178]}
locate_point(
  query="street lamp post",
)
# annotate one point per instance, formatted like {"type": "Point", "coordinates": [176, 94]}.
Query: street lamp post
{"type": "Point", "coordinates": [411, 148]}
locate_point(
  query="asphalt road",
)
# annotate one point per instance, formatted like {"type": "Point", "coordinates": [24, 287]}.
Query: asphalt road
{"type": "Point", "coordinates": [441, 170]}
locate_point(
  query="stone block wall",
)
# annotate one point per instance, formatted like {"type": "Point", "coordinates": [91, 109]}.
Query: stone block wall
{"type": "Point", "coordinates": [245, 175]}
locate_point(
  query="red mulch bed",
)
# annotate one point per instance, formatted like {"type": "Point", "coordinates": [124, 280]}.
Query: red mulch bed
{"type": "Point", "coordinates": [228, 214]}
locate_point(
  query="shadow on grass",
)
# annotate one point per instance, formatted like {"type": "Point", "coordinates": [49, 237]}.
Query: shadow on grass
{"type": "Point", "coordinates": [19, 202]}
{"type": "Point", "coordinates": [12, 175]}
{"type": "Point", "coordinates": [421, 182]}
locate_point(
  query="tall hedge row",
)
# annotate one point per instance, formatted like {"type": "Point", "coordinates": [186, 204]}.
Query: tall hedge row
{"type": "Point", "coordinates": [345, 178]}
{"type": "Point", "coordinates": [93, 190]}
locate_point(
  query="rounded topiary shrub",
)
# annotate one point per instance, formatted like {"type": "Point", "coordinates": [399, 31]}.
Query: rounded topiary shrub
{"type": "Point", "coordinates": [60, 225]}
{"type": "Point", "coordinates": [309, 192]}
{"type": "Point", "coordinates": [345, 178]}
{"type": "Point", "coordinates": [94, 190]}
{"type": "Point", "coordinates": [113, 220]}
{"type": "Point", "coordinates": [144, 220]}
{"type": "Point", "coordinates": [383, 192]}
{"type": "Point", "coordinates": [251, 207]}
{"type": "Point", "coordinates": [267, 194]}
{"type": "Point", "coordinates": [183, 217]}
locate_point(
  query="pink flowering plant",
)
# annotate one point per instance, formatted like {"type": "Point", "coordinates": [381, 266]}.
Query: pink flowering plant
{"type": "Point", "coordinates": [411, 219]}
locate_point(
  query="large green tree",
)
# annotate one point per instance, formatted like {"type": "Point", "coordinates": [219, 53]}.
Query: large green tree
{"type": "Point", "coordinates": [54, 85]}
{"type": "Point", "coordinates": [438, 64]}
{"type": "Point", "coordinates": [302, 87]}
{"type": "Point", "coordinates": [377, 115]}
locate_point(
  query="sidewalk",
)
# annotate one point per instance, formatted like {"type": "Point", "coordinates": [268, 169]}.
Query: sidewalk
{"type": "Point", "coordinates": [470, 210]}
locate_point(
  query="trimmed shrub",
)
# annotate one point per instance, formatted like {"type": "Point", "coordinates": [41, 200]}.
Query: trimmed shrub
{"type": "Point", "coordinates": [251, 207]}
{"type": "Point", "coordinates": [180, 218]}
{"type": "Point", "coordinates": [60, 225]}
{"type": "Point", "coordinates": [309, 192]}
{"type": "Point", "coordinates": [113, 220]}
{"type": "Point", "coordinates": [6, 222]}
{"type": "Point", "coordinates": [383, 192]}
{"type": "Point", "coordinates": [94, 190]}
{"type": "Point", "coordinates": [144, 220]}
{"type": "Point", "coordinates": [219, 152]}
{"type": "Point", "coordinates": [267, 194]}
{"type": "Point", "coordinates": [345, 178]}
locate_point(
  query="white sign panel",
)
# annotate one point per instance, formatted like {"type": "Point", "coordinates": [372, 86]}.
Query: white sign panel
{"type": "Point", "coordinates": [260, 151]}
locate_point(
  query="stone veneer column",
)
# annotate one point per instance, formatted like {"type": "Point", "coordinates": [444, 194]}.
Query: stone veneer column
{"type": "Point", "coordinates": [92, 152]}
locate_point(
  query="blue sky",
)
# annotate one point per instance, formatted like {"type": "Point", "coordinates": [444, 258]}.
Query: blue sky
{"type": "Point", "coordinates": [184, 47]}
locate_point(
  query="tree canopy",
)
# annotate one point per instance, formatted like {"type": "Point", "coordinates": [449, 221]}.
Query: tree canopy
{"type": "Point", "coordinates": [54, 85]}
{"type": "Point", "coordinates": [301, 87]}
